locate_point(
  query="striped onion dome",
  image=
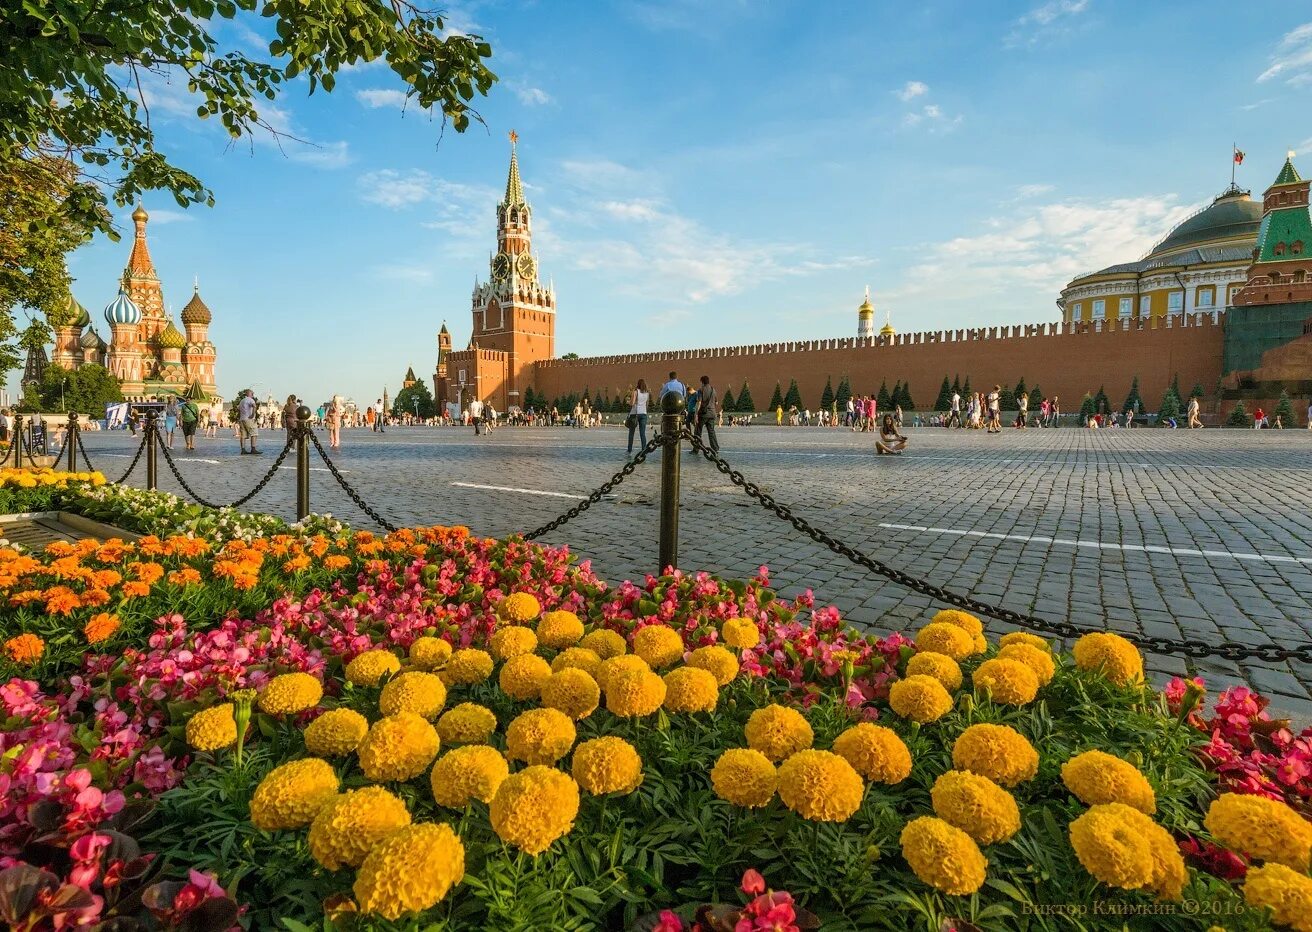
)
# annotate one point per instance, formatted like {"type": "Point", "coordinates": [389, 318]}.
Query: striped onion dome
{"type": "Point", "coordinates": [91, 339]}
{"type": "Point", "coordinates": [77, 313]}
{"type": "Point", "coordinates": [171, 337]}
{"type": "Point", "coordinates": [122, 311]}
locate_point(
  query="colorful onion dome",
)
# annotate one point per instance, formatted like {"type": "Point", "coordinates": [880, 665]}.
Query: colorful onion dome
{"type": "Point", "coordinates": [77, 313]}
{"type": "Point", "coordinates": [91, 340]}
{"type": "Point", "coordinates": [171, 337]}
{"type": "Point", "coordinates": [196, 312]}
{"type": "Point", "coordinates": [121, 310]}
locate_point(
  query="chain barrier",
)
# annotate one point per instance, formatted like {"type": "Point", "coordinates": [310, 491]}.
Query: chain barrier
{"type": "Point", "coordinates": [82, 451]}
{"type": "Point", "coordinates": [8, 453]}
{"type": "Point", "coordinates": [346, 486]}
{"type": "Point", "coordinates": [601, 491]}
{"type": "Point", "coordinates": [1229, 650]}
{"type": "Point", "coordinates": [259, 486]}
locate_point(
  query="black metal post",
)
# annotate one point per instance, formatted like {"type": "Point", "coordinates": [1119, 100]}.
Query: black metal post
{"type": "Point", "coordinates": [151, 440]}
{"type": "Point", "coordinates": [302, 462]}
{"type": "Point", "coordinates": [70, 440]}
{"type": "Point", "coordinates": [17, 441]}
{"type": "Point", "coordinates": [671, 424]}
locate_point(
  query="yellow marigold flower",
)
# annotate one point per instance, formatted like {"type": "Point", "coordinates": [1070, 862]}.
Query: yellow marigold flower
{"type": "Point", "coordinates": [1261, 829]}
{"type": "Point", "coordinates": [429, 653]}
{"type": "Point", "coordinates": [512, 641]}
{"type": "Point", "coordinates": [398, 747]}
{"type": "Point", "coordinates": [720, 661]}
{"type": "Point", "coordinates": [920, 698]}
{"type": "Point", "coordinates": [369, 668]}
{"type": "Point", "coordinates": [634, 694]}
{"type": "Point", "coordinates": [335, 733]}
{"type": "Point", "coordinates": [778, 731]}
{"type": "Point", "coordinates": [559, 629]}
{"type": "Point", "coordinates": [540, 736]}
{"type": "Point", "coordinates": [1009, 682]}
{"type": "Point", "coordinates": [520, 608]}
{"type": "Point", "coordinates": [690, 689]}
{"type": "Point", "coordinates": [740, 633]}
{"type": "Point", "coordinates": [659, 645]}
{"type": "Point", "coordinates": [352, 823]}
{"type": "Point", "coordinates": [290, 796]}
{"type": "Point", "coordinates": [413, 691]}
{"type": "Point", "coordinates": [1110, 654]}
{"type": "Point", "coordinates": [744, 777]}
{"type": "Point", "coordinates": [100, 627]}
{"type": "Point", "coordinates": [998, 752]}
{"type": "Point", "coordinates": [1024, 637]}
{"type": "Point", "coordinates": [410, 870]}
{"type": "Point", "coordinates": [467, 723]}
{"type": "Point", "coordinates": [1095, 777]}
{"type": "Point", "coordinates": [963, 620]}
{"type": "Point", "coordinates": [607, 765]}
{"type": "Point", "coordinates": [522, 677]}
{"type": "Point", "coordinates": [630, 663]}
{"type": "Point", "coordinates": [534, 807]}
{"type": "Point", "coordinates": [25, 648]}
{"type": "Point", "coordinates": [1287, 893]}
{"type": "Point", "coordinates": [943, 638]}
{"type": "Point", "coordinates": [212, 729]}
{"type": "Point", "coordinates": [604, 643]}
{"type": "Point", "coordinates": [976, 805]}
{"type": "Point", "coordinates": [940, 666]}
{"type": "Point", "coordinates": [470, 772]}
{"type": "Point", "coordinates": [820, 786]}
{"type": "Point", "coordinates": [573, 692]}
{"type": "Point", "coordinates": [876, 752]}
{"type": "Point", "coordinates": [289, 693]}
{"type": "Point", "coordinates": [943, 856]}
{"type": "Point", "coordinates": [1037, 659]}
{"type": "Point", "coordinates": [467, 667]}
{"type": "Point", "coordinates": [1122, 847]}
{"type": "Point", "coordinates": [582, 658]}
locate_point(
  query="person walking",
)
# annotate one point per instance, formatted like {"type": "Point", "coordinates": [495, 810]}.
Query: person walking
{"type": "Point", "coordinates": [690, 411]}
{"type": "Point", "coordinates": [1194, 420]}
{"type": "Point", "coordinates": [1023, 412]}
{"type": "Point", "coordinates": [379, 414]}
{"type": "Point", "coordinates": [189, 416]}
{"type": "Point", "coordinates": [1056, 411]}
{"type": "Point", "coordinates": [289, 417]}
{"type": "Point", "coordinates": [170, 420]}
{"type": "Point", "coordinates": [672, 387]}
{"type": "Point", "coordinates": [332, 419]}
{"type": "Point", "coordinates": [638, 400]}
{"type": "Point", "coordinates": [954, 411]}
{"type": "Point", "coordinates": [246, 429]}
{"type": "Point", "coordinates": [1259, 419]}
{"type": "Point", "coordinates": [995, 410]}
{"type": "Point", "coordinates": [708, 407]}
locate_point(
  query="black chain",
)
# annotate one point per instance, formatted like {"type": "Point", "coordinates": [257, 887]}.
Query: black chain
{"type": "Point", "coordinates": [8, 453]}
{"type": "Point", "coordinates": [1230, 650]}
{"type": "Point", "coordinates": [346, 486]}
{"type": "Point", "coordinates": [83, 450]}
{"type": "Point", "coordinates": [601, 491]}
{"type": "Point", "coordinates": [259, 486]}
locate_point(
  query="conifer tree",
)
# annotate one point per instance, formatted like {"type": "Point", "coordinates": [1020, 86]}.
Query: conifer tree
{"type": "Point", "coordinates": [1197, 391]}
{"type": "Point", "coordinates": [1088, 408]}
{"type": "Point", "coordinates": [777, 399]}
{"type": "Point", "coordinates": [529, 398]}
{"type": "Point", "coordinates": [944, 400]}
{"type": "Point", "coordinates": [1133, 401]}
{"type": "Point", "coordinates": [1036, 398]}
{"type": "Point", "coordinates": [1169, 408]}
{"type": "Point", "coordinates": [1175, 385]}
{"type": "Point", "coordinates": [907, 403]}
{"type": "Point", "coordinates": [956, 384]}
{"type": "Point", "coordinates": [1285, 411]}
{"type": "Point", "coordinates": [728, 404]}
{"type": "Point", "coordinates": [883, 400]}
{"type": "Point", "coordinates": [794, 397]}
{"type": "Point", "coordinates": [745, 403]}
{"type": "Point", "coordinates": [965, 389]}
{"type": "Point", "coordinates": [1020, 389]}
{"type": "Point", "coordinates": [1007, 399]}
{"type": "Point", "coordinates": [1239, 417]}
{"type": "Point", "coordinates": [827, 396]}
{"type": "Point", "coordinates": [1101, 403]}
{"type": "Point", "coordinates": [895, 396]}
{"type": "Point", "coordinates": [844, 394]}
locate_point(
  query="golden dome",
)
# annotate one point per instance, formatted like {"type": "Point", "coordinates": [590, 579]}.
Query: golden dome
{"type": "Point", "coordinates": [866, 309]}
{"type": "Point", "coordinates": [139, 215]}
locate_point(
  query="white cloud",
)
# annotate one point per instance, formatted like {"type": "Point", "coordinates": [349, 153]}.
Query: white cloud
{"type": "Point", "coordinates": [630, 210]}
{"type": "Point", "coordinates": [376, 97]}
{"type": "Point", "coordinates": [912, 90]}
{"type": "Point", "coordinates": [394, 189]}
{"type": "Point", "coordinates": [1026, 191]}
{"type": "Point", "coordinates": [403, 272]}
{"type": "Point", "coordinates": [321, 154]}
{"type": "Point", "coordinates": [532, 96]}
{"type": "Point", "coordinates": [933, 117]}
{"type": "Point", "coordinates": [1048, 21]}
{"type": "Point", "coordinates": [1292, 59]}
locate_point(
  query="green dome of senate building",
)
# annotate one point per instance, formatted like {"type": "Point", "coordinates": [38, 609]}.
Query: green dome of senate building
{"type": "Point", "coordinates": [1233, 215]}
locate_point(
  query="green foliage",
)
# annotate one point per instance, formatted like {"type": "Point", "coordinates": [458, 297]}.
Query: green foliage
{"type": "Point", "coordinates": [1285, 411]}
{"type": "Point", "coordinates": [1169, 408]}
{"type": "Point", "coordinates": [1036, 398]}
{"type": "Point", "coordinates": [777, 399]}
{"type": "Point", "coordinates": [745, 403]}
{"type": "Point", "coordinates": [827, 396]}
{"type": "Point", "coordinates": [1239, 416]}
{"type": "Point", "coordinates": [530, 399]}
{"type": "Point", "coordinates": [406, 398]}
{"type": "Point", "coordinates": [1088, 407]}
{"type": "Point", "coordinates": [570, 356]}
{"type": "Point", "coordinates": [793, 399]}
{"type": "Point", "coordinates": [844, 393]}
{"type": "Point", "coordinates": [1020, 389]}
{"type": "Point", "coordinates": [965, 389]}
{"type": "Point", "coordinates": [1007, 399]}
{"type": "Point", "coordinates": [956, 385]}
{"type": "Point", "coordinates": [944, 400]}
{"type": "Point", "coordinates": [907, 403]}
{"type": "Point", "coordinates": [1197, 391]}
{"type": "Point", "coordinates": [728, 403]}
{"type": "Point", "coordinates": [884, 400]}
{"type": "Point", "coordinates": [86, 389]}
{"type": "Point", "coordinates": [1101, 402]}
{"type": "Point", "coordinates": [1133, 401]}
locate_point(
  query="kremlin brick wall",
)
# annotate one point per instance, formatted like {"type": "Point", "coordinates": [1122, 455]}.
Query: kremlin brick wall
{"type": "Point", "coordinates": [1063, 359]}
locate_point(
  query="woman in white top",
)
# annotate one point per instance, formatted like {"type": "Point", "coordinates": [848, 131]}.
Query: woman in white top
{"type": "Point", "coordinates": [638, 399]}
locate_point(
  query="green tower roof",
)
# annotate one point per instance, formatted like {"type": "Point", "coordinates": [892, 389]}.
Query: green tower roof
{"type": "Point", "coordinates": [1288, 174]}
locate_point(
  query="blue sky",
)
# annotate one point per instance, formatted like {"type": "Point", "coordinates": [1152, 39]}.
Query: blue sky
{"type": "Point", "coordinates": [707, 172]}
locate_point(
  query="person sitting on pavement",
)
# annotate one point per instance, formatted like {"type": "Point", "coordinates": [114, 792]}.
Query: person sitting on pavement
{"type": "Point", "coordinates": [890, 441]}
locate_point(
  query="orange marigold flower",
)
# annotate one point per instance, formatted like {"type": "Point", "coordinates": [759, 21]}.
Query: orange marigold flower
{"type": "Point", "coordinates": [111, 551]}
{"type": "Point", "coordinates": [187, 576]}
{"type": "Point", "coordinates": [24, 648]}
{"type": "Point", "coordinates": [368, 548]}
{"type": "Point", "coordinates": [296, 564]}
{"type": "Point", "coordinates": [182, 546]}
{"type": "Point", "coordinates": [106, 579]}
{"type": "Point", "coordinates": [318, 545]}
{"type": "Point", "coordinates": [26, 596]}
{"type": "Point", "coordinates": [132, 590]}
{"type": "Point", "coordinates": [147, 572]}
{"type": "Point", "coordinates": [61, 600]}
{"type": "Point", "coordinates": [100, 627]}
{"type": "Point", "coordinates": [336, 562]}
{"type": "Point", "coordinates": [151, 546]}
{"type": "Point", "coordinates": [94, 598]}
{"type": "Point", "coordinates": [60, 548]}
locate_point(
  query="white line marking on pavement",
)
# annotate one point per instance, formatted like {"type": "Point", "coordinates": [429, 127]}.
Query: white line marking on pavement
{"type": "Point", "coordinates": [1098, 545]}
{"type": "Point", "coordinates": [317, 469]}
{"type": "Point", "coordinates": [504, 488]}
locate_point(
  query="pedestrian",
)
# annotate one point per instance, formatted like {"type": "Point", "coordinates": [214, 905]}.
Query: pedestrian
{"type": "Point", "coordinates": [1056, 411]}
{"type": "Point", "coordinates": [1023, 412]}
{"type": "Point", "coordinates": [890, 441]}
{"type": "Point", "coordinates": [672, 387]}
{"type": "Point", "coordinates": [897, 416]}
{"type": "Point", "coordinates": [1309, 415]}
{"type": "Point", "coordinates": [954, 411]}
{"type": "Point", "coordinates": [638, 400]}
{"type": "Point", "coordinates": [246, 429]}
{"type": "Point", "coordinates": [189, 415]}
{"type": "Point", "coordinates": [1259, 419]}
{"type": "Point", "coordinates": [1194, 420]}
{"type": "Point", "coordinates": [332, 419]}
{"type": "Point", "coordinates": [708, 406]}
{"type": "Point", "coordinates": [289, 417]}
{"type": "Point", "coordinates": [170, 420]}
{"type": "Point", "coordinates": [379, 416]}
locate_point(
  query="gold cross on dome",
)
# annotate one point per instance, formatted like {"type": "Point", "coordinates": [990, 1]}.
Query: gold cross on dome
{"type": "Point", "coordinates": [514, 137]}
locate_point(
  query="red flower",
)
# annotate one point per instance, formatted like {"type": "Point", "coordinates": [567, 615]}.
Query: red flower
{"type": "Point", "coordinates": [668, 922]}
{"type": "Point", "coordinates": [753, 883]}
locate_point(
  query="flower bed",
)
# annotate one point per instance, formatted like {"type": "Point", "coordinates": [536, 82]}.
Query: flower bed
{"type": "Point", "coordinates": [432, 730]}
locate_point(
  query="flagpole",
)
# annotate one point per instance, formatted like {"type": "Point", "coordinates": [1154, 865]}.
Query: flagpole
{"type": "Point", "coordinates": [1234, 147]}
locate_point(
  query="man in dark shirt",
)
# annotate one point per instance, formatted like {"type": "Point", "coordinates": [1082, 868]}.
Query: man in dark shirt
{"type": "Point", "coordinates": [708, 410]}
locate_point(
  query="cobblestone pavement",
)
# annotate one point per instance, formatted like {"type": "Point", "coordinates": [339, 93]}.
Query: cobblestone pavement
{"type": "Point", "coordinates": [1201, 535]}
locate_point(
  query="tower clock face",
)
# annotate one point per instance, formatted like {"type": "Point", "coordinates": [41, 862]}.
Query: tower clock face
{"type": "Point", "coordinates": [527, 266]}
{"type": "Point", "coordinates": [500, 266]}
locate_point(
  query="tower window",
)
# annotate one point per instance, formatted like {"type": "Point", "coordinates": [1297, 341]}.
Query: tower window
{"type": "Point", "coordinates": [1279, 250]}
{"type": "Point", "coordinates": [1296, 248]}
